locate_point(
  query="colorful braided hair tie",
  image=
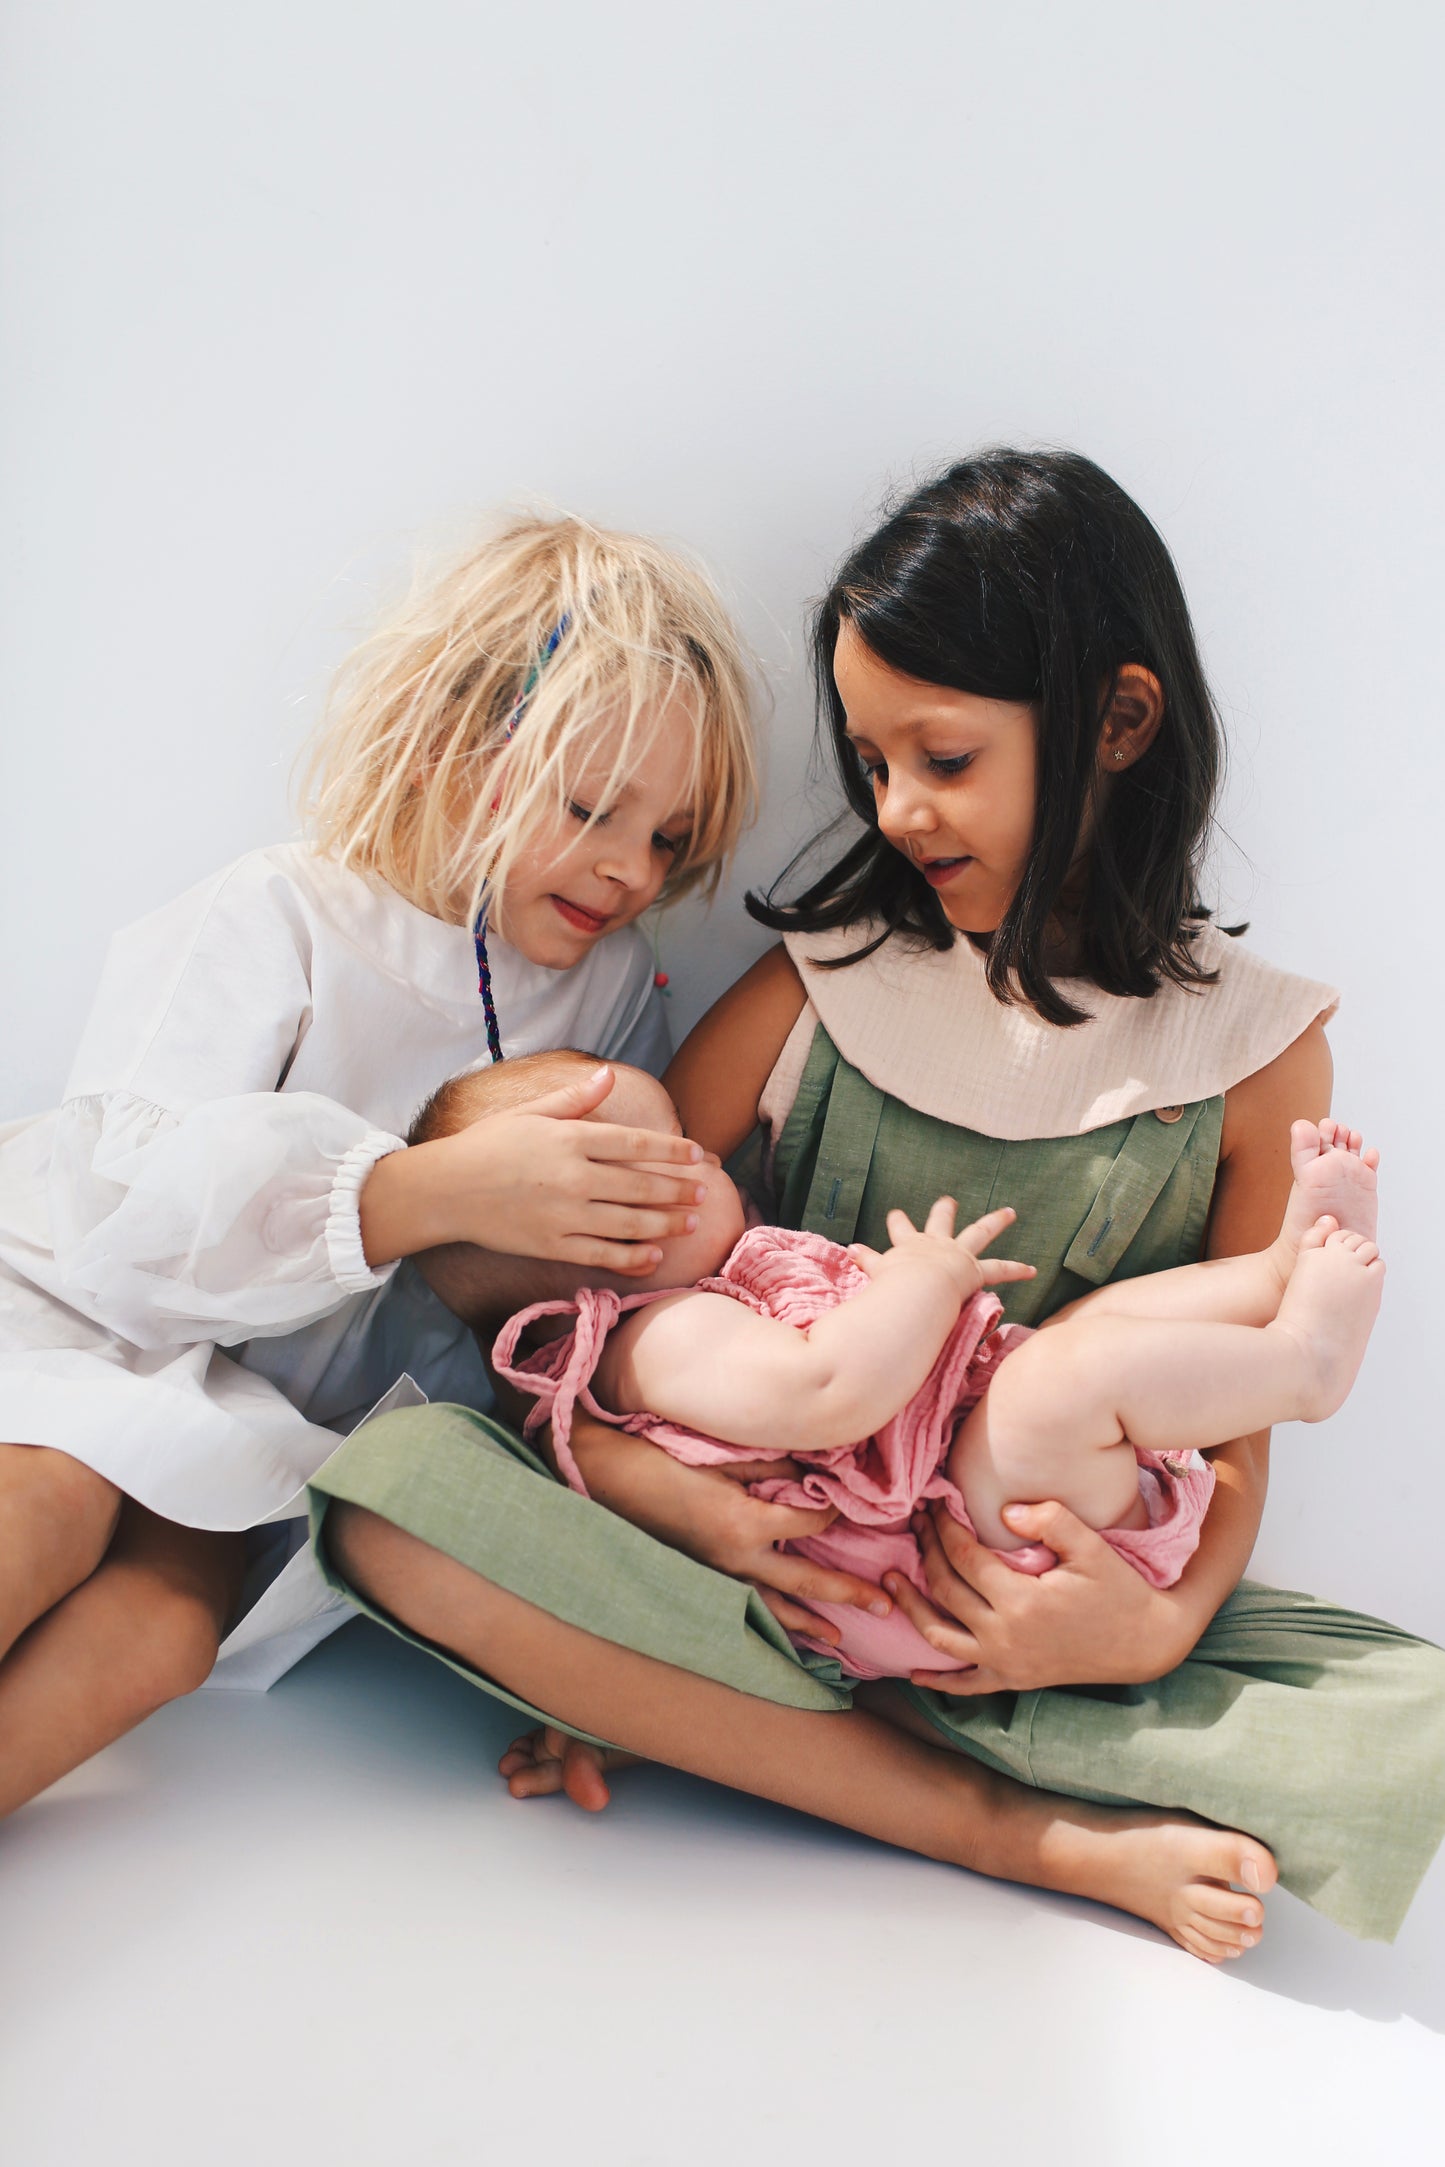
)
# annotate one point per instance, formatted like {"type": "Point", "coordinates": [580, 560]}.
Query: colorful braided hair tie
{"type": "Point", "coordinates": [550, 645]}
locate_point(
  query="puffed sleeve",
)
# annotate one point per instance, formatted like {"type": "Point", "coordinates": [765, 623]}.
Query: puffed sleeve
{"type": "Point", "coordinates": [189, 1200]}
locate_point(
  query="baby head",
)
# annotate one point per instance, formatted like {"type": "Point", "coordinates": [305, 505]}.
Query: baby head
{"type": "Point", "coordinates": [484, 1287]}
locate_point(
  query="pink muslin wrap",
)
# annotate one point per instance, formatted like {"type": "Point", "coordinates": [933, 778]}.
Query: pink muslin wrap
{"type": "Point", "coordinates": [877, 1483]}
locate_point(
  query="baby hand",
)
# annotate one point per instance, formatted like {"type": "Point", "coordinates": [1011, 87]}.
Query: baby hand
{"type": "Point", "coordinates": [955, 1254]}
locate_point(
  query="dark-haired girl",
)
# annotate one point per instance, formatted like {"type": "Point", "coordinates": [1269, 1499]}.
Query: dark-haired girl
{"type": "Point", "coordinates": [1008, 988]}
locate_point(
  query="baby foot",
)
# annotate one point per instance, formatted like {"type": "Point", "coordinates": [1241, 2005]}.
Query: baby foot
{"type": "Point", "coordinates": [547, 1761]}
{"type": "Point", "coordinates": [1334, 1177]}
{"type": "Point", "coordinates": [1329, 1309]}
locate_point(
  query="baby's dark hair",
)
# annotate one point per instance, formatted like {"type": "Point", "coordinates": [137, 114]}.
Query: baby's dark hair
{"type": "Point", "coordinates": [497, 1088]}
{"type": "Point", "coordinates": [1031, 576]}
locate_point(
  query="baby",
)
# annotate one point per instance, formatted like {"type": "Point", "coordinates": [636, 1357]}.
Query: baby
{"type": "Point", "coordinates": [892, 1377]}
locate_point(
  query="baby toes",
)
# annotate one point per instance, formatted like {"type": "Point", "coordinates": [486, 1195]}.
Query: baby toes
{"type": "Point", "coordinates": [1306, 1142]}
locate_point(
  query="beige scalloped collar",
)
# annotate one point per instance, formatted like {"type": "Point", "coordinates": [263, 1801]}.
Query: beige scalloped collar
{"type": "Point", "coordinates": [924, 1027]}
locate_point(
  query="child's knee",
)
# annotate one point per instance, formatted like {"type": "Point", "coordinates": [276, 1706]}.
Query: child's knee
{"type": "Point", "coordinates": [42, 1479]}
{"type": "Point", "coordinates": [176, 1631]}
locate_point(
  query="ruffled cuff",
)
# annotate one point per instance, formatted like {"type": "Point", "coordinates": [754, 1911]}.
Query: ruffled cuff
{"type": "Point", "coordinates": [343, 1219]}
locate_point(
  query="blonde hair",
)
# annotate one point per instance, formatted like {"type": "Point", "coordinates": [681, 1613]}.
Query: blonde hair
{"type": "Point", "coordinates": [406, 779]}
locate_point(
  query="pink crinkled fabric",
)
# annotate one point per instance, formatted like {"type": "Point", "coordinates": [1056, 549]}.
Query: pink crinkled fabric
{"type": "Point", "coordinates": [877, 1483]}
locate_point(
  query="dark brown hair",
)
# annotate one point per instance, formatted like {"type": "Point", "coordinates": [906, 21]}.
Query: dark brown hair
{"type": "Point", "coordinates": [1031, 576]}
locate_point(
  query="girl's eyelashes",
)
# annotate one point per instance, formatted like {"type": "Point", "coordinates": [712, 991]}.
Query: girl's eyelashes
{"type": "Point", "coordinates": [671, 845]}
{"type": "Point", "coordinates": [876, 771]}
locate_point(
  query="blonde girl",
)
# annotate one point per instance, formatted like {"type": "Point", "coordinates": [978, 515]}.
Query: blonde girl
{"type": "Point", "coordinates": [204, 1272]}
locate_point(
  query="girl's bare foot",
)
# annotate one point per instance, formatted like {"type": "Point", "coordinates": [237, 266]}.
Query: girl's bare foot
{"type": "Point", "coordinates": [1171, 1869]}
{"type": "Point", "coordinates": [1329, 1309]}
{"type": "Point", "coordinates": [547, 1761]}
{"type": "Point", "coordinates": [1334, 1177]}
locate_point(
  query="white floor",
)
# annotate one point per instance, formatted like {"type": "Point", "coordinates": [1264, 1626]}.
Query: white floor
{"type": "Point", "coordinates": [311, 1923]}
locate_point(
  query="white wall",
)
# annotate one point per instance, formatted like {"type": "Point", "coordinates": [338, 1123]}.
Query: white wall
{"type": "Point", "coordinates": [295, 286]}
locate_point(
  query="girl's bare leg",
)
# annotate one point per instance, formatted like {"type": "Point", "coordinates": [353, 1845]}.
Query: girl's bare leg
{"type": "Point", "coordinates": [57, 1518]}
{"type": "Point", "coordinates": [142, 1629]}
{"type": "Point", "coordinates": [858, 1770]}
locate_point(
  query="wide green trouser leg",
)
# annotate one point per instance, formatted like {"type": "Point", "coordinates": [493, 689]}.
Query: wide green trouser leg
{"type": "Point", "coordinates": [1318, 1731]}
{"type": "Point", "coordinates": [472, 1489]}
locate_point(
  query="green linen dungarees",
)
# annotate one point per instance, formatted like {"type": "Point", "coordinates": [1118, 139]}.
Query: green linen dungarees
{"type": "Point", "coordinates": [1318, 1731]}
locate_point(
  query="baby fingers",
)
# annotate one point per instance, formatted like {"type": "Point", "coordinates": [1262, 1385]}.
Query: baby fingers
{"type": "Point", "coordinates": [985, 1230]}
{"type": "Point", "coordinates": [999, 1271]}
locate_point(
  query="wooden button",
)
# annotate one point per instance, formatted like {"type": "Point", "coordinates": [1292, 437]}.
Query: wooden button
{"type": "Point", "coordinates": [1168, 1113]}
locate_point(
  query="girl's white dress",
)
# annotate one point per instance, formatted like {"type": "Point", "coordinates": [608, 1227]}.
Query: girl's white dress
{"type": "Point", "coordinates": [184, 1301]}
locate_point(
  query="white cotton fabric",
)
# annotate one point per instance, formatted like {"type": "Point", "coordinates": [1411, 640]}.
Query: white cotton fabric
{"type": "Point", "coordinates": [184, 1301]}
{"type": "Point", "coordinates": [925, 1027]}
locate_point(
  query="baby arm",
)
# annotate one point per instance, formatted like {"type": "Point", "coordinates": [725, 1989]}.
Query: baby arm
{"type": "Point", "coordinates": [709, 1362]}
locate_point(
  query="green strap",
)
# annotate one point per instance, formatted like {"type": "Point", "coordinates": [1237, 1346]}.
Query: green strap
{"type": "Point", "coordinates": [845, 1155]}
{"type": "Point", "coordinates": [1130, 1189]}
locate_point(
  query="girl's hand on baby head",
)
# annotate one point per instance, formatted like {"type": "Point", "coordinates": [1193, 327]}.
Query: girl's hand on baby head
{"type": "Point", "coordinates": [542, 1181]}
{"type": "Point", "coordinates": [957, 1255]}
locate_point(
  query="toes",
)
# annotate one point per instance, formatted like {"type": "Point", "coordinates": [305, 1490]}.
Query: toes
{"type": "Point", "coordinates": [1316, 1236]}
{"type": "Point", "coordinates": [543, 1782]}
{"type": "Point", "coordinates": [1222, 1940]}
{"type": "Point", "coordinates": [1227, 1932]}
{"type": "Point", "coordinates": [583, 1780]}
{"type": "Point", "coordinates": [1255, 1869]}
{"type": "Point", "coordinates": [1306, 1141]}
{"type": "Point", "coordinates": [1220, 1907]}
{"type": "Point", "coordinates": [1200, 1945]}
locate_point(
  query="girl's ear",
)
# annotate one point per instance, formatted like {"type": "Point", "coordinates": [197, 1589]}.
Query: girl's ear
{"type": "Point", "coordinates": [1131, 719]}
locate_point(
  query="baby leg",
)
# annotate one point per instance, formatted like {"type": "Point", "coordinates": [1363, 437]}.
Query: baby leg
{"type": "Point", "coordinates": [1334, 1177]}
{"type": "Point", "coordinates": [1065, 1411]}
{"type": "Point", "coordinates": [1049, 1427]}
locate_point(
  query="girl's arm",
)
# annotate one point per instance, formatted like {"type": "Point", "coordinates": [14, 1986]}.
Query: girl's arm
{"type": "Point", "coordinates": [709, 1514]}
{"type": "Point", "coordinates": [540, 1182]}
{"type": "Point", "coordinates": [1093, 1620]}
{"type": "Point", "coordinates": [717, 1077]}
{"type": "Point", "coordinates": [706, 1361]}
{"type": "Point", "coordinates": [537, 1183]}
